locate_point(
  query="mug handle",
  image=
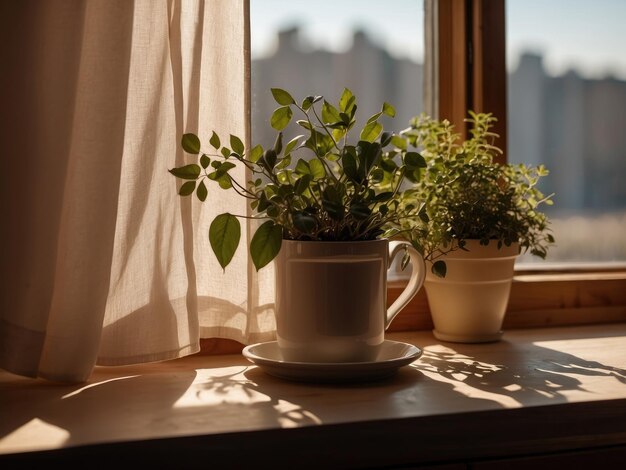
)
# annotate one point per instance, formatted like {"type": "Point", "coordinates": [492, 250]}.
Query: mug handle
{"type": "Point", "coordinates": [416, 281]}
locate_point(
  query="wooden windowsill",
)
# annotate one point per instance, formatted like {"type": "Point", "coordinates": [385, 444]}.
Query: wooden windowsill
{"type": "Point", "coordinates": [538, 391]}
{"type": "Point", "coordinates": [560, 296]}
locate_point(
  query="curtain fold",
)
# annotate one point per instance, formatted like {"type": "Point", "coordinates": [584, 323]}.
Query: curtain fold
{"type": "Point", "coordinates": [103, 263]}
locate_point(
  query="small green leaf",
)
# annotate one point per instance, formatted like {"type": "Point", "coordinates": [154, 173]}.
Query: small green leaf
{"type": "Point", "coordinates": [371, 154]}
{"type": "Point", "coordinates": [321, 144]}
{"type": "Point", "coordinates": [225, 182]}
{"type": "Point", "coordinates": [278, 144]}
{"type": "Point", "coordinates": [333, 209]}
{"type": "Point", "coordinates": [292, 144]}
{"type": "Point", "coordinates": [225, 152]}
{"type": "Point", "coordinates": [344, 101]}
{"type": "Point", "coordinates": [302, 184]}
{"type": "Point", "coordinates": [382, 197]}
{"type": "Point", "coordinates": [187, 188]}
{"type": "Point", "coordinates": [281, 117]}
{"type": "Point", "coordinates": [187, 172]}
{"type": "Point", "coordinates": [205, 161]}
{"type": "Point", "coordinates": [385, 138]}
{"type": "Point", "coordinates": [265, 243]}
{"type": "Point", "coordinates": [336, 125]}
{"type": "Point", "coordinates": [345, 118]}
{"type": "Point", "coordinates": [439, 268]}
{"type": "Point", "coordinates": [304, 222]}
{"type": "Point", "coordinates": [329, 113]}
{"type": "Point", "coordinates": [191, 143]}
{"type": "Point", "coordinates": [304, 123]}
{"type": "Point", "coordinates": [263, 202]}
{"type": "Point", "coordinates": [317, 168]}
{"type": "Point", "coordinates": [283, 163]}
{"type": "Point", "coordinates": [348, 161]}
{"type": "Point", "coordinates": [224, 235]}
{"type": "Point", "coordinates": [377, 175]}
{"type": "Point", "coordinates": [389, 110]}
{"type": "Point", "coordinates": [236, 144]}
{"type": "Point", "coordinates": [307, 102]}
{"type": "Point", "coordinates": [270, 159]}
{"type": "Point", "coordinates": [282, 97]}
{"type": "Point", "coordinates": [352, 107]}
{"type": "Point", "coordinates": [371, 131]}
{"type": "Point", "coordinates": [215, 141]}
{"type": "Point", "coordinates": [303, 167]}
{"type": "Point", "coordinates": [202, 191]}
{"type": "Point", "coordinates": [285, 190]}
{"type": "Point", "coordinates": [374, 118]}
{"type": "Point", "coordinates": [398, 142]}
{"type": "Point", "coordinates": [256, 153]}
{"type": "Point", "coordinates": [414, 160]}
{"type": "Point", "coordinates": [388, 165]}
{"type": "Point", "coordinates": [224, 168]}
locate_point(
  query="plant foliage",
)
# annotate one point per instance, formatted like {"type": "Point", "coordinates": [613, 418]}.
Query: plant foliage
{"type": "Point", "coordinates": [467, 195]}
{"type": "Point", "coordinates": [350, 184]}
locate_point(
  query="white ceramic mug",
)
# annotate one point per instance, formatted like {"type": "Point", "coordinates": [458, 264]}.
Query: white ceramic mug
{"type": "Point", "coordinates": [331, 298]}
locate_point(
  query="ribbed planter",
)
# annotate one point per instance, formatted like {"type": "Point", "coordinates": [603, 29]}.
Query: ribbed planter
{"type": "Point", "coordinates": [469, 304]}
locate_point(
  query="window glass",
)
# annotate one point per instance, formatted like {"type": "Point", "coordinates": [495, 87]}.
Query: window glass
{"type": "Point", "coordinates": [375, 48]}
{"type": "Point", "coordinates": [567, 110]}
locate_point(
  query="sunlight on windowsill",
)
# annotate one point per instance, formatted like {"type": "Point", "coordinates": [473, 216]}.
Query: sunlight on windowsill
{"type": "Point", "coordinates": [525, 375]}
{"type": "Point", "coordinates": [34, 434]}
{"type": "Point", "coordinates": [229, 387]}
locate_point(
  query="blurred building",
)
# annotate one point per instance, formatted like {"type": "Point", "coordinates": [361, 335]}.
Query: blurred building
{"type": "Point", "coordinates": [575, 126]}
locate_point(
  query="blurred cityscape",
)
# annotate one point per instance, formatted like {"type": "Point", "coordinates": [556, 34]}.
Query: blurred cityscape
{"type": "Point", "coordinates": [575, 126]}
{"type": "Point", "coordinates": [369, 71]}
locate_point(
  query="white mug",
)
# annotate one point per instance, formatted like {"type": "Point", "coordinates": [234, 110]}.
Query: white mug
{"type": "Point", "coordinates": [331, 298]}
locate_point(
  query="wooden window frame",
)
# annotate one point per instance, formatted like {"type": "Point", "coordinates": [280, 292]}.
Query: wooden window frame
{"type": "Point", "coordinates": [467, 70]}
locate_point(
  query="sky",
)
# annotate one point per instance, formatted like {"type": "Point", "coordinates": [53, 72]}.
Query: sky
{"type": "Point", "coordinates": [395, 24]}
{"type": "Point", "coordinates": [586, 35]}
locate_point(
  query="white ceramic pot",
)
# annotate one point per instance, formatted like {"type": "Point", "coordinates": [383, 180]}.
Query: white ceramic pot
{"type": "Point", "coordinates": [331, 298]}
{"type": "Point", "coordinates": [469, 304]}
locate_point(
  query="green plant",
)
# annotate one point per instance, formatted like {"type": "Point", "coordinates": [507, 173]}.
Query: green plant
{"type": "Point", "coordinates": [467, 195]}
{"type": "Point", "coordinates": [337, 190]}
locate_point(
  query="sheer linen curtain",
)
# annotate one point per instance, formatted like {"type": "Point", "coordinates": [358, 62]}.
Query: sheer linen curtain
{"type": "Point", "coordinates": [103, 263]}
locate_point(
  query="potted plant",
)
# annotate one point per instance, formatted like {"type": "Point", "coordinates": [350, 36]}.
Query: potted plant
{"type": "Point", "coordinates": [327, 201]}
{"type": "Point", "coordinates": [479, 215]}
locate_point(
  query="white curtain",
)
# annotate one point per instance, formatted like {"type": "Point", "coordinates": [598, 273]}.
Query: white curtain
{"type": "Point", "coordinates": [103, 263]}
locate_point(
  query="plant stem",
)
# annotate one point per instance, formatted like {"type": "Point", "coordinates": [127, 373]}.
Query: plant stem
{"type": "Point", "coordinates": [239, 192]}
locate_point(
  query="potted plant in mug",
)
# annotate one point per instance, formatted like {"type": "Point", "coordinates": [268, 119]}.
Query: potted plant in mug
{"type": "Point", "coordinates": [479, 215]}
{"type": "Point", "coordinates": [327, 217]}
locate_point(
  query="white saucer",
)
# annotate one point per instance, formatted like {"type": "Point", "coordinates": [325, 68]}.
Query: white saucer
{"type": "Point", "coordinates": [392, 356]}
